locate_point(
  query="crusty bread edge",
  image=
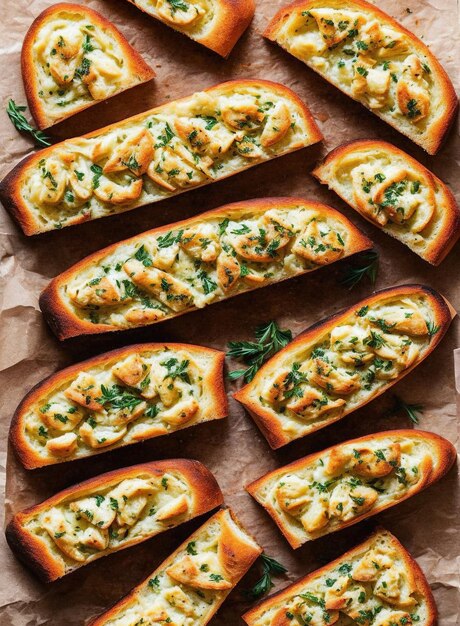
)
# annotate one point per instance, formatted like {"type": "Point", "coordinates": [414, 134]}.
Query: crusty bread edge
{"type": "Point", "coordinates": [10, 186]}
{"type": "Point", "coordinates": [66, 324]}
{"type": "Point", "coordinates": [439, 128]}
{"type": "Point", "coordinates": [213, 381]}
{"type": "Point", "coordinates": [450, 233]}
{"type": "Point", "coordinates": [35, 554]}
{"type": "Point", "coordinates": [136, 63]}
{"type": "Point", "coordinates": [232, 19]}
{"type": "Point", "coordinates": [410, 563]}
{"type": "Point", "coordinates": [270, 426]}
{"type": "Point", "coordinates": [250, 554]}
{"type": "Point", "coordinates": [442, 449]}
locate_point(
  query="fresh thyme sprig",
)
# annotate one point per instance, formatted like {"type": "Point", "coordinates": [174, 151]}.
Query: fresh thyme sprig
{"type": "Point", "coordinates": [20, 123]}
{"type": "Point", "coordinates": [370, 270]}
{"type": "Point", "coordinates": [270, 338]}
{"type": "Point", "coordinates": [270, 567]}
{"type": "Point", "coordinates": [411, 410]}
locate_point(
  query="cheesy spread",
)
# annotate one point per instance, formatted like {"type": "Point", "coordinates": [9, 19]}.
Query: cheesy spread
{"type": "Point", "coordinates": [344, 483]}
{"type": "Point", "coordinates": [145, 395]}
{"type": "Point", "coordinates": [194, 18]}
{"type": "Point", "coordinates": [373, 587]}
{"type": "Point", "coordinates": [178, 146]}
{"type": "Point", "coordinates": [158, 276]}
{"type": "Point", "coordinates": [80, 530]}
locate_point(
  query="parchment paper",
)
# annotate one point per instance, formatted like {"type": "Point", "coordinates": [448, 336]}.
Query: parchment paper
{"type": "Point", "coordinates": [233, 449]}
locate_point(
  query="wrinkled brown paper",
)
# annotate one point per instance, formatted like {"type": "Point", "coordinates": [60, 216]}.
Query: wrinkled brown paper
{"type": "Point", "coordinates": [233, 449]}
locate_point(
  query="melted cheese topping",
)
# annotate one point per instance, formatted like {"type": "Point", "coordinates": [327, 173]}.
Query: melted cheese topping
{"type": "Point", "coordinates": [402, 199]}
{"type": "Point", "coordinates": [370, 60]}
{"type": "Point", "coordinates": [144, 395]}
{"type": "Point", "coordinates": [77, 62]}
{"type": "Point", "coordinates": [323, 380]}
{"type": "Point", "coordinates": [194, 18]}
{"type": "Point", "coordinates": [178, 146]}
{"type": "Point", "coordinates": [344, 483]}
{"type": "Point", "coordinates": [187, 589]}
{"type": "Point", "coordinates": [374, 586]}
{"type": "Point", "coordinates": [77, 531]}
{"type": "Point", "coordinates": [158, 276]}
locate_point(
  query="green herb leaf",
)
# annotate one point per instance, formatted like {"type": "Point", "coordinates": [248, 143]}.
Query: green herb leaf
{"type": "Point", "coordinates": [411, 410]}
{"type": "Point", "coordinates": [355, 275]}
{"type": "Point", "coordinates": [22, 125]}
{"type": "Point", "coordinates": [270, 566]}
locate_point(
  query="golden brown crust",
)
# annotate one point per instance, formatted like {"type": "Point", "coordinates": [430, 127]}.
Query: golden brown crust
{"type": "Point", "coordinates": [232, 19]}
{"type": "Point", "coordinates": [11, 185]}
{"type": "Point", "coordinates": [442, 450]}
{"type": "Point", "coordinates": [140, 70]}
{"type": "Point", "coordinates": [271, 427]}
{"type": "Point", "coordinates": [245, 553]}
{"type": "Point", "coordinates": [65, 323]}
{"type": "Point", "coordinates": [214, 382]}
{"type": "Point", "coordinates": [449, 232]}
{"type": "Point", "coordinates": [440, 127]}
{"type": "Point", "coordinates": [421, 584]}
{"type": "Point", "coordinates": [34, 552]}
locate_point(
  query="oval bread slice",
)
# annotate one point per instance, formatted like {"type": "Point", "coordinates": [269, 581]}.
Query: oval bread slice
{"type": "Point", "coordinates": [374, 60]}
{"type": "Point", "coordinates": [111, 512]}
{"type": "Point", "coordinates": [344, 361]}
{"type": "Point", "coordinates": [216, 24]}
{"type": "Point", "coordinates": [72, 58]}
{"type": "Point", "coordinates": [376, 582]}
{"type": "Point", "coordinates": [181, 145]}
{"type": "Point", "coordinates": [180, 267]}
{"type": "Point", "coordinates": [116, 399]}
{"type": "Point", "coordinates": [335, 488]}
{"type": "Point", "coordinates": [396, 193]}
{"type": "Point", "coordinates": [191, 584]}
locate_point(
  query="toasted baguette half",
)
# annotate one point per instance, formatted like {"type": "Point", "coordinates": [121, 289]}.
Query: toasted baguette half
{"type": "Point", "coordinates": [108, 513]}
{"type": "Point", "coordinates": [396, 193]}
{"type": "Point", "coordinates": [72, 58]}
{"type": "Point", "coordinates": [216, 24]}
{"type": "Point", "coordinates": [191, 584]}
{"type": "Point", "coordinates": [116, 399]}
{"type": "Point", "coordinates": [177, 268]}
{"type": "Point", "coordinates": [377, 582]}
{"type": "Point", "coordinates": [371, 58]}
{"type": "Point", "coordinates": [344, 361]}
{"type": "Point", "coordinates": [181, 145]}
{"type": "Point", "coordinates": [335, 488]}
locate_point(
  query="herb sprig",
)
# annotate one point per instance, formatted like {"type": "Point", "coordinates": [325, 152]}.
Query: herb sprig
{"type": "Point", "coordinates": [370, 270]}
{"type": "Point", "coordinates": [270, 567]}
{"type": "Point", "coordinates": [15, 113]}
{"type": "Point", "coordinates": [270, 338]}
{"type": "Point", "coordinates": [411, 410]}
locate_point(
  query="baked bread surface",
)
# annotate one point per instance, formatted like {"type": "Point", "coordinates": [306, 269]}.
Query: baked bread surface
{"type": "Point", "coordinates": [344, 361]}
{"type": "Point", "coordinates": [377, 582]}
{"type": "Point", "coordinates": [116, 399]}
{"type": "Point", "coordinates": [335, 488]}
{"type": "Point", "coordinates": [177, 268]}
{"type": "Point", "coordinates": [396, 193]}
{"type": "Point", "coordinates": [154, 155]}
{"type": "Point", "coordinates": [109, 513]}
{"type": "Point", "coordinates": [373, 59]}
{"type": "Point", "coordinates": [216, 24]}
{"type": "Point", "coordinates": [190, 585]}
{"type": "Point", "coordinates": [73, 57]}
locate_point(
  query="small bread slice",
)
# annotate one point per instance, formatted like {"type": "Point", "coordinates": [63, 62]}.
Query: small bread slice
{"type": "Point", "coordinates": [180, 267]}
{"type": "Point", "coordinates": [344, 361]}
{"type": "Point", "coordinates": [373, 59]}
{"type": "Point", "coordinates": [216, 24]}
{"type": "Point", "coordinates": [116, 399]}
{"type": "Point", "coordinates": [191, 584]}
{"type": "Point", "coordinates": [335, 488]}
{"type": "Point", "coordinates": [108, 513]}
{"type": "Point", "coordinates": [170, 149]}
{"type": "Point", "coordinates": [377, 582]}
{"type": "Point", "coordinates": [396, 193]}
{"type": "Point", "coordinates": [72, 58]}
